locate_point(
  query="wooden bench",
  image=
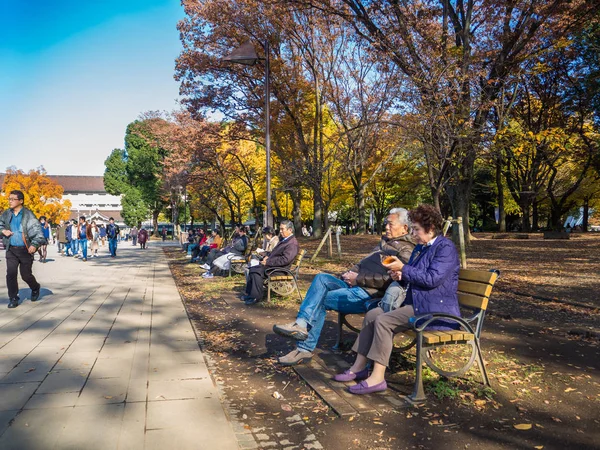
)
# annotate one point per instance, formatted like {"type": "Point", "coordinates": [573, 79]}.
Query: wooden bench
{"type": "Point", "coordinates": [239, 263]}
{"type": "Point", "coordinates": [285, 281]}
{"type": "Point", "coordinates": [474, 289]}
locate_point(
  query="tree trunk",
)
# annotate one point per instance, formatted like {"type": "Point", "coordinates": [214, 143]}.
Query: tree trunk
{"type": "Point", "coordinates": [525, 205]}
{"type": "Point", "coordinates": [360, 209]}
{"type": "Point", "coordinates": [459, 195]}
{"type": "Point", "coordinates": [155, 222]}
{"type": "Point", "coordinates": [586, 214]}
{"type": "Point", "coordinates": [500, 187]}
{"type": "Point", "coordinates": [277, 208]}
{"type": "Point", "coordinates": [318, 219]}
{"type": "Point", "coordinates": [296, 196]}
{"type": "Point", "coordinates": [435, 195]}
{"type": "Point", "coordinates": [556, 213]}
{"type": "Point", "coordinates": [535, 217]}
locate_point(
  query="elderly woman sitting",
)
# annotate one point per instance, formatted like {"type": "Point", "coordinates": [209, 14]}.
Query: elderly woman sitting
{"type": "Point", "coordinates": [431, 281]}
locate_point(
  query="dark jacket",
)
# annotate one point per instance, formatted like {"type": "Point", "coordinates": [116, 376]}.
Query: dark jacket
{"type": "Point", "coordinates": [85, 228]}
{"type": "Point", "coordinates": [372, 276]}
{"type": "Point", "coordinates": [283, 254]}
{"type": "Point", "coordinates": [68, 233]}
{"type": "Point", "coordinates": [112, 231]}
{"type": "Point", "coordinates": [32, 229]}
{"type": "Point", "coordinates": [433, 278]}
{"type": "Point", "coordinates": [238, 245]}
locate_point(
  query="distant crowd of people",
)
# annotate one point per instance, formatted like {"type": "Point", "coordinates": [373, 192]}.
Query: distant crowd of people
{"type": "Point", "coordinates": [24, 235]}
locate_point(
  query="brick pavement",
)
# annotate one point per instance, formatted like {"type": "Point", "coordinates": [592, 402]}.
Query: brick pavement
{"type": "Point", "coordinates": [106, 359]}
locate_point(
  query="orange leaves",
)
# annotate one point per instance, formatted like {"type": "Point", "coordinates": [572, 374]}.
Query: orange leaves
{"type": "Point", "coordinates": [42, 194]}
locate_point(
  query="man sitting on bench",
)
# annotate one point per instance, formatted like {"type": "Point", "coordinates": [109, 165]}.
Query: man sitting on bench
{"type": "Point", "coordinates": [282, 256]}
{"type": "Point", "coordinates": [366, 280]}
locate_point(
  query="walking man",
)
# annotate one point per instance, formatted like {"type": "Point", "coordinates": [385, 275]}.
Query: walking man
{"type": "Point", "coordinates": [84, 236]}
{"type": "Point", "coordinates": [112, 231]}
{"type": "Point", "coordinates": [61, 236]}
{"type": "Point", "coordinates": [74, 239]}
{"type": "Point", "coordinates": [22, 234]}
{"type": "Point", "coordinates": [134, 235]}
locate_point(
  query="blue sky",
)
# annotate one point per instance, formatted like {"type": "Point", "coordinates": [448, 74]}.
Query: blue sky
{"type": "Point", "coordinates": [73, 74]}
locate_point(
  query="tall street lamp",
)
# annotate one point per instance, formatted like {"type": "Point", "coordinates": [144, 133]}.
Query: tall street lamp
{"type": "Point", "coordinates": [246, 55]}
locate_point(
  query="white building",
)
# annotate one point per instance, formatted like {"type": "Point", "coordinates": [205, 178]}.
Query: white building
{"type": "Point", "coordinates": [89, 198]}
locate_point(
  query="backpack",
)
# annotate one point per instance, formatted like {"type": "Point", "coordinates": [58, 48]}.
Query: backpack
{"type": "Point", "coordinates": [112, 231]}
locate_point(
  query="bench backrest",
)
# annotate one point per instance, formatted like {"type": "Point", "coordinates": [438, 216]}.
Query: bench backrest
{"type": "Point", "coordinates": [475, 287]}
{"type": "Point", "coordinates": [295, 267]}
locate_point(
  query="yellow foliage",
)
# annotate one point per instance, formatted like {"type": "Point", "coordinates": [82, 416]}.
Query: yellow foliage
{"type": "Point", "coordinates": [43, 195]}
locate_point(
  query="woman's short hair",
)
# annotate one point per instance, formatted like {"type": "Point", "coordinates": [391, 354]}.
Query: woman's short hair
{"type": "Point", "coordinates": [428, 217]}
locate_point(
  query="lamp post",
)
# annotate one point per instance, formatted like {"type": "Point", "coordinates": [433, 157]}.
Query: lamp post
{"type": "Point", "coordinates": [246, 55]}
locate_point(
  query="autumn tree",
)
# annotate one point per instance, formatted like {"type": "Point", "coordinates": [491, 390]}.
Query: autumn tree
{"type": "Point", "coordinates": [457, 55]}
{"type": "Point", "coordinates": [42, 194]}
{"type": "Point", "coordinates": [362, 94]}
{"type": "Point", "coordinates": [299, 43]}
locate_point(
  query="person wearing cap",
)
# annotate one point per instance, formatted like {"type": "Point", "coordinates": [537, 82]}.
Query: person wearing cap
{"type": "Point", "coordinates": [283, 255]}
{"type": "Point", "coordinates": [22, 234]}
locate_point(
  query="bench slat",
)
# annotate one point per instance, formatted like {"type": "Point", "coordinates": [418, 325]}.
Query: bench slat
{"type": "Point", "coordinates": [470, 287]}
{"type": "Point", "coordinates": [478, 276]}
{"type": "Point", "coordinates": [281, 278]}
{"type": "Point", "coordinates": [473, 301]}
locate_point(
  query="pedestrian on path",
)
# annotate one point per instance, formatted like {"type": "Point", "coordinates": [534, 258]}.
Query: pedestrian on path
{"type": "Point", "coordinates": [102, 235]}
{"type": "Point", "coordinates": [134, 235]}
{"type": "Point", "coordinates": [85, 234]}
{"type": "Point", "coordinates": [112, 232]}
{"type": "Point", "coordinates": [74, 239]}
{"type": "Point", "coordinates": [95, 238]}
{"type": "Point", "coordinates": [61, 236]}
{"type": "Point", "coordinates": [143, 237]}
{"type": "Point", "coordinates": [22, 235]}
{"type": "Point", "coordinates": [43, 249]}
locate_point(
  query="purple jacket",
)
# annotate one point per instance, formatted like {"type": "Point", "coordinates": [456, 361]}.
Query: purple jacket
{"type": "Point", "coordinates": [433, 278]}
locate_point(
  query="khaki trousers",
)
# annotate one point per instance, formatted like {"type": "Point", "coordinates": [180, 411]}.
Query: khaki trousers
{"type": "Point", "coordinates": [376, 339]}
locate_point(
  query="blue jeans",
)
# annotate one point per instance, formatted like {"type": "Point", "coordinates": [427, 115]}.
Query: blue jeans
{"type": "Point", "coordinates": [68, 247]}
{"type": "Point", "coordinates": [83, 246]}
{"type": "Point", "coordinates": [112, 246]}
{"type": "Point", "coordinates": [75, 246]}
{"type": "Point", "coordinates": [327, 292]}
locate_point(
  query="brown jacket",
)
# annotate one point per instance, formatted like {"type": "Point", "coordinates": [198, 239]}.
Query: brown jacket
{"type": "Point", "coordinates": [372, 276]}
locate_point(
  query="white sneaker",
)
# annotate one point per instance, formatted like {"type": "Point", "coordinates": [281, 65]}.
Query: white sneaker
{"type": "Point", "coordinates": [205, 266]}
{"type": "Point", "coordinates": [207, 275]}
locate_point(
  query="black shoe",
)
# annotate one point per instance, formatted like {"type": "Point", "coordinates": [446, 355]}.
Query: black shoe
{"type": "Point", "coordinates": [245, 298]}
{"type": "Point", "coordinates": [13, 302]}
{"type": "Point", "coordinates": [35, 294]}
{"type": "Point", "coordinates": [251, 301]}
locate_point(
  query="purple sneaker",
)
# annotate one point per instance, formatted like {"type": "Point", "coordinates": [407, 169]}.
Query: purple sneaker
{"type": "Point", "coordinates": [349, 376]}
{"type": "Point", "coordinates": [363, 388]}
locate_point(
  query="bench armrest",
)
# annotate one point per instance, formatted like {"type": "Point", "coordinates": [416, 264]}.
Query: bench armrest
{"type": "Point", "coordinates": [275, 270]}
{"type": "Point", "coordinates": [422, 321]}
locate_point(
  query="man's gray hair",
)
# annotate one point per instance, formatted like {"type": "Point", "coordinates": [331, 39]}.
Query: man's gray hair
{"type": "Point", "coordinates": [402, 215]}
{"type": "Point", "coordinates": [289, 225]}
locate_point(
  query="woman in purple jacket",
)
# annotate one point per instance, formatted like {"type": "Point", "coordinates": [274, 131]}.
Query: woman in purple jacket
{"type": "Point", "coordinates": [431, 281]}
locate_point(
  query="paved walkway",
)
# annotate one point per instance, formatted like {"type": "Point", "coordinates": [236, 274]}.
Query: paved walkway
{"type": "Point", "coordinates": [107, 358]}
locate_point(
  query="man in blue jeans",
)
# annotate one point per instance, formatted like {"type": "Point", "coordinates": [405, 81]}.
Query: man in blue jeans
{"type": "Point", "coordinates": [83, 233]}
{"type": "Point", "coordinates": [351, 294]}
{"type": "Point", "coordinates": [112, 232]}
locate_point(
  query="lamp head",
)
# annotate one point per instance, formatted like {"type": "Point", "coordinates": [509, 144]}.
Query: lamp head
{"type": "Point", "coordinates": [245, 54]}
